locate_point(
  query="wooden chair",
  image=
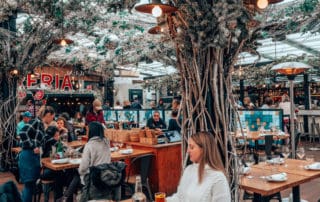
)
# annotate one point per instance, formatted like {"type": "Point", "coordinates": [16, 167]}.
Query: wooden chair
{"type": "Point", "coordinates": [43, 186]}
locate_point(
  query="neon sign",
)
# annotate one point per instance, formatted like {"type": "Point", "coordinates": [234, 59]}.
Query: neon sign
{"type": "Point", "coordinates": [48, 80]}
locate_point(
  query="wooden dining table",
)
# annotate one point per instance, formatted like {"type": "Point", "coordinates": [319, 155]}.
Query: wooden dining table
{"type": "Point", "coordinates": [115, 156]}
{"type": "Point", "coordinates": [73, 144]}
{"type": "Point", "coordinates": [262, 189]}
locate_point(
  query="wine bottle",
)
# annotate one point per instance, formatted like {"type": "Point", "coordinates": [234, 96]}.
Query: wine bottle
{"type": "Point", "coordinates": [59, 150]}
{"type": "Point", "coordinates": [138, 196]}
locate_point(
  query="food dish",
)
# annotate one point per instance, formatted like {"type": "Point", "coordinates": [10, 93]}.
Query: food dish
{"type": "Point", "coordinates": [60, 161]}
{"type": "Point", "coordinates": [314, 166]}
{"type": "Point", "coordinates": [75, 161]}
{"type": "Point", "coordinates": [126, 151]}
{"type": "Point", "coordinates": [280, 177]}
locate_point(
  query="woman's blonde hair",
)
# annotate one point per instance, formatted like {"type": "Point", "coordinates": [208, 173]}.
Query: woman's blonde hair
{"type": "Point", "coordinates": [210, 153]}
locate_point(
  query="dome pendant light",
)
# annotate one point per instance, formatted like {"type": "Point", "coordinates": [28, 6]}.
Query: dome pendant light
{"type": "Point", "coordinates": [62, 41]}
{"type": "Point", "coordinates": [156, 8]}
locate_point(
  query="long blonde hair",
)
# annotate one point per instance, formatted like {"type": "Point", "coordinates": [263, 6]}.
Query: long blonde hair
{"type": "Point", "coordinates": [210, 153]}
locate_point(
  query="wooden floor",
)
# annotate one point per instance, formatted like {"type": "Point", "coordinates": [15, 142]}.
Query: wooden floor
{"type": "Point", "coordinates": [309, 191]}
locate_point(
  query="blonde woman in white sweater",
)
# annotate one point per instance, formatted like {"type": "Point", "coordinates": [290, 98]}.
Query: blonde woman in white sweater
{"type": "Point", "coordinates": [204, 180]}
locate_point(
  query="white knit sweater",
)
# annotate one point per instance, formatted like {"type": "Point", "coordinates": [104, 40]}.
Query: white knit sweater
{"type": "Point", "coordinates": [214, 187]}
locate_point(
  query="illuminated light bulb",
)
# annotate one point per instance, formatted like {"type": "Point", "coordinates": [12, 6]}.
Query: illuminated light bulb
{"type": "Point", "coordinates": [14, 72]}
{"type": "Point", "coordinates": [63, 42]}
{"type": "Point", "coordinates": [156, 11]}
{"type": "Point", "coordinates": [262, 4]}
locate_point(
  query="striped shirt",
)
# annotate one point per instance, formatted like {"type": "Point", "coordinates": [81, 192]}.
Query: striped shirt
{"type": "Point", "coordinates": [32, 134]}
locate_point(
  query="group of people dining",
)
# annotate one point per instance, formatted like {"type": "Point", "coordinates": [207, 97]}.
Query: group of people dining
{"type": "Point", "coordinates": [203, 180]}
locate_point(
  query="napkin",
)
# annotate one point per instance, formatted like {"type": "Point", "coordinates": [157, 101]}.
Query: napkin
{"type": "Point", "coordinates": [314, 166]}
{"type": "Point", "coordinates": [65, 160]}
{"type": "Point", "coordinates": [276, 161]}
{"type": "Point", "coordinates": [277, 177]}
{"type": "Point", "coordinates": [126, 151]}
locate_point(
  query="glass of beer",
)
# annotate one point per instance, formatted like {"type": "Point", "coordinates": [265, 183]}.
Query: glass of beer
{"type": "Point", "coordinates": [160, 197]}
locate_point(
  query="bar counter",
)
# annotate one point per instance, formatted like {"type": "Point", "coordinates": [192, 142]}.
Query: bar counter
{"type": "Point", "coordinates": [166, 166]}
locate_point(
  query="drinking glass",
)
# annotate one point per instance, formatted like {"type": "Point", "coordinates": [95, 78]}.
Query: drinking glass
{"type": "Point", "coordinates": [263, 163]}
{"type": "Point", "coordinates": [120, 144]}
{"type": "Point", "coordinates": [310, 158]}
{"type": "Point", "coordinates": [300, 154]}
{"type": "Point", "coordinates": [249, 161]}
{"type": "Point", "coordinates": [160, 197]}
{"type": "Point", "coordinates": [285, 152]}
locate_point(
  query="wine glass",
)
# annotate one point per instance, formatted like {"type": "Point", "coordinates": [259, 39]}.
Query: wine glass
{"type": "Point", "coordinates": [120, 144]}
{"type": "Point", "coordinates": [249, 161]}
{"type": "Point", "coordinates": [300, 154]}
{"type": "Point", "coordinates": [263, 163]}
{"type": "Point", "coordinates": [310, 158]}
{"type": "Point", "coordinates": [285, 153]}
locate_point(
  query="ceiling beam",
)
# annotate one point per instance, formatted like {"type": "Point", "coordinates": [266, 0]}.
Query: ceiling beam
{"type": "Point", "coordinates": [300, 46]}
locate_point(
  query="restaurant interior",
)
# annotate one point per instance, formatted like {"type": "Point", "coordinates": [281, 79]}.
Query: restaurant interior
{"type": "Point", "coordinates": [247, 71]}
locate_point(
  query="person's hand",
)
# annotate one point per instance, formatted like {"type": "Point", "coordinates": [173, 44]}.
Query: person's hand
{"type": "Point", "coordinates": [56, 137]}
{"type": "Point", "coordinates": [36, 150]}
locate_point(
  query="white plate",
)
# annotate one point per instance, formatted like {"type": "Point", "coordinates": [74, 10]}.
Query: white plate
{"type": "Point", "coordinates": [75, 161]}
{"type": "Point", "coordinates": [314, 166]}
{"type": "Point", "coordinates": [281, 177]}
{"type": "Point", "coordinates": [112, 149]}
{"type": "Point", "coordinates": [60, 161]}
{"type": "Point", "coordinates": [126, 151]}
{"type": "Point", "coordinates": [276, 161]}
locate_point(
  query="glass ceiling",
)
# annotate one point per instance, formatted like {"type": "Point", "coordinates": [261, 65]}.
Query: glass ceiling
{"type": "Point", "coordinates": [296, 44]}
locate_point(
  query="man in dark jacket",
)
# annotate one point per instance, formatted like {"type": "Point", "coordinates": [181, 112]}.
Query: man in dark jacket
{"type": "Point", "coordinates": [155, 122]}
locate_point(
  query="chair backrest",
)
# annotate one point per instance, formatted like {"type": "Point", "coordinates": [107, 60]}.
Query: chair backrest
{"type": "Point", "coordinates": [144, 166]}
{"type": "Point", "coordinates": [268, 145]}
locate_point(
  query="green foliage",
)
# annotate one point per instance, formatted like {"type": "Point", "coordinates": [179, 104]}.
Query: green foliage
{"type": "Point", "coordinates": [101, 50]}
{"type": "Point", "coordinates": [27, 25]}
{"type": "Point", "coordinates": [139, 28]}
{"type": "Point", "coordinates": [292, 25]}
{"type": "Point", "coordinates": [115, 23]}
{"type": "Point", "coordinates": [106, 40]}
{"type": "Point", "coordinates": [308, 6]}
{"type": "Point", "coordinates": [152, 46]}
{"type": "Point", "coordinates": [97, 40]}
{"type": "Point", "coordinates": [124, 25]}
{"type": "Point", "coordinates": [118, 51]}
{"type": "Point", "coordinates": [68, 49]}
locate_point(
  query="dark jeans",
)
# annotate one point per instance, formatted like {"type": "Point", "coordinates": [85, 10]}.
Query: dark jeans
{"type": "Point", "coordinates": [28, 190]}
{"type": "Point", "coordinates": [73, 186]}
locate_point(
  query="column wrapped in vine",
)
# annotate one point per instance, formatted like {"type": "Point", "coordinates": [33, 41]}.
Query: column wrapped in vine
{"type": "Point", "coordinates": [209, 36]}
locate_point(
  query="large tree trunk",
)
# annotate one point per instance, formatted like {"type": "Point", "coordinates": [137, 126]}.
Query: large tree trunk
{"type": "Point", "coordinates": [209, 36]}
